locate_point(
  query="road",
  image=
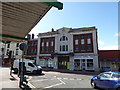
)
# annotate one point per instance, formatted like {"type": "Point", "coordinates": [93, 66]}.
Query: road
{"type": "Point", "coordinates": [60, 80]}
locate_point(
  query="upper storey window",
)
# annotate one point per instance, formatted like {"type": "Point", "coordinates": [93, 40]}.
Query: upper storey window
{"type": "Point", "coordinates": [63, 38]}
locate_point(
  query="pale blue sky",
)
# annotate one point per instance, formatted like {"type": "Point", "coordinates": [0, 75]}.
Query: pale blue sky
{"type": "Point", "coordinates": [102, 15]}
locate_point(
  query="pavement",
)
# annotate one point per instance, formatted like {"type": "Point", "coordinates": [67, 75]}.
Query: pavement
{"type": "Point", "coordinates": [6, 81]}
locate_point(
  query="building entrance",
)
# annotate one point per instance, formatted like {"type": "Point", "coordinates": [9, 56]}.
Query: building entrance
{"type": "Point", "coordinates": [62, 62]}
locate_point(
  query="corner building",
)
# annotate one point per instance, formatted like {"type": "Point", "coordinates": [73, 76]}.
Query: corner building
{"type": "Point", "coordinates": [69, 48]}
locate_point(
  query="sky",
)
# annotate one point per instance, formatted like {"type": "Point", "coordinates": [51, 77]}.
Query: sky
{"type": "Point", "coordinates": [102, 15]}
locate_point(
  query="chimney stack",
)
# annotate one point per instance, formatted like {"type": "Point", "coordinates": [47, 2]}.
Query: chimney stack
{"type": "Point", "coordinates": [52, 30]}
{"type": "Point", "coordinates": [33, 36]}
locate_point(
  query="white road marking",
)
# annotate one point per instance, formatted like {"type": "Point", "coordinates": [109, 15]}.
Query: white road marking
{"type": "Point", "coordinates": [61, 81]}
{"type": "Point", "coordinates": [65, 78]}
{"type": "Point", "coordinates": [42, 80]}
{"type": "Point", "coordinates": [56, 84]}
{"type": "Point", "coordinates": [59, 78]}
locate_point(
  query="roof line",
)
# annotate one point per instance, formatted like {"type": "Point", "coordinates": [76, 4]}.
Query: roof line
{"type": "Point", "coordinates": [58, 5]}
{"type": "Point", "coordinates": [15, 37]}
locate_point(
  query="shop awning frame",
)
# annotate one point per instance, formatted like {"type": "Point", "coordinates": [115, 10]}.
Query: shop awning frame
{"type": "Point", "coordinates": [15, 37]}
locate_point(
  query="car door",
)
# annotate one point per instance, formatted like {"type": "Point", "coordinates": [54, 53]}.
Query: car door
{"type": "Point", "coordinates": [102, 79]}
{"type": "Point", "coordinates": [110, 83]}
{"type": "Point", "coordinates": [30, 67]}
{"type": "Point", "coordinates": [105, 79]}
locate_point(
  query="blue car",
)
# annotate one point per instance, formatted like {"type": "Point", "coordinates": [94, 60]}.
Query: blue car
{"type": "Point", "coordinates": [106, 80]}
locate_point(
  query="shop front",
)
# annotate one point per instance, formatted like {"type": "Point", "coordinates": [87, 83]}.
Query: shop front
{"type": "Point", "coordinates": [115, 64]}
{"type": "Point", "coordinates": [63, 62]}
{"type": "Point", "coordinates": [46, 62]}
{"type": "Point", "coordinates": [83, 63]}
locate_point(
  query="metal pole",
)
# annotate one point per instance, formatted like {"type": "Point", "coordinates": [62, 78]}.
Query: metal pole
{"type": "Point", "coordinates": [3, 53]}
{"type": "Point", "coordinates": [21, 73]}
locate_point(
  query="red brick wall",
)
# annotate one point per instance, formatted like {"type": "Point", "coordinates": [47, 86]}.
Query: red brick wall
{"type": "Point", "coordinates": [107, 54]}
{"type": "Point", "coordinates": [85, 41]}
{"type": "Point", "coordinates": [50, 49]}
{"type": "Point", "coordinates": [32, 47]}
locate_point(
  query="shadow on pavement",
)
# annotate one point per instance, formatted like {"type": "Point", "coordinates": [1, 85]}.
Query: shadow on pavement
{"type": "Point", "coordinates": [30, 74]}
{"type": "Point", "coordinates": [25, 87]}
{"type": "Point", "coordinates": [13, 78]}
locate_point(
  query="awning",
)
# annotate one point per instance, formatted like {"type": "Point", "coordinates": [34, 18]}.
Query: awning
{"type": "Point", "coordinates": [18, 18]}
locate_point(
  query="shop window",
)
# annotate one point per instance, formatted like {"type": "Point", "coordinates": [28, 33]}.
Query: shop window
{"type": "Point", "coordinates": [77, 64]}
{"type": "Point", "coordinates": [89, 63]}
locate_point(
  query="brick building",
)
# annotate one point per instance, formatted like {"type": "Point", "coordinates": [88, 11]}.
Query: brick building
{"type": "Point", "coordinates": [69, 48]}
{"type": "Point", "coordinates": [110, 59]}
{"type": "Point", "coordinates": [32, 49]}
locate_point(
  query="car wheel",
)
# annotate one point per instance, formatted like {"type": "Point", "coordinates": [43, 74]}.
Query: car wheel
{"type": "Point", "coordinates": [40, 71]}
{"type": "Point", "coordinates": [93, 84]}
{"type": "Point", "coordinates": [34, 72]}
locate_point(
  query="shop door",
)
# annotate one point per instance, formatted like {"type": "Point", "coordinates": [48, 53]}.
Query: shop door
{"type": "Point", "coordinates": [77, 64]}
{"type": "Point", "coordinates": [62, 62]}
{"type": "Point", "coordinates": [83, 64]}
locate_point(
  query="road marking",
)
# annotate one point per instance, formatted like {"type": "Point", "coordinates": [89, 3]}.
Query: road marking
{"type": "Point", "coordinates": [30, 85]}
{"type": "Point", "coordinates": [65, 78]}
{"type": "Point", "coordinates": [59, 78]}
{"type": "Point", "coordinates": [41, 80]}
{"type": "Point", "coordinates": [56, 84]}
{"type": "Point", "coordinates": [61, 81]}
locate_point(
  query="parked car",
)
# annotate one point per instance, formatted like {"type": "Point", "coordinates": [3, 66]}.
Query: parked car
{"type": "Point", "coordinates": [29, 65]}
{"type": "Point", "coordinates": [105, 69]}
{"type": "Point", "coordinates": [106, 80]}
